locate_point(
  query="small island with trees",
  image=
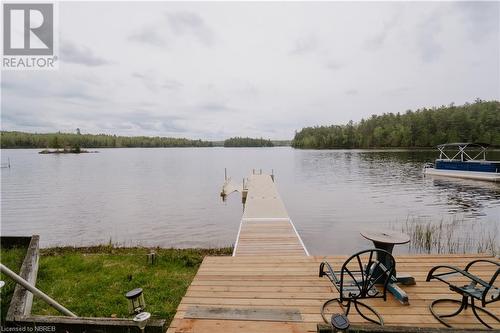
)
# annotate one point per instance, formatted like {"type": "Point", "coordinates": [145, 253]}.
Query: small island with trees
{"type": "Point", "coordinates": [66, 150]}
{"type": "Point", "coordinates": [57, 145]}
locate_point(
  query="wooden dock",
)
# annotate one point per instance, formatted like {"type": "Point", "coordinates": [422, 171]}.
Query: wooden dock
{"type": "Point", "coordinates": [266, 228]}
{"type": "Point", "coordinates": [271, 284]}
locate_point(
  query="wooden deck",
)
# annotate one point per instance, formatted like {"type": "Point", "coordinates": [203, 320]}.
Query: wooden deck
{"type": "Point", "coordinates": [271, 284]}
{"type": "Point", "coordinates": [292, 283]}
{"type": "Point", "coordinates": [266, 228]}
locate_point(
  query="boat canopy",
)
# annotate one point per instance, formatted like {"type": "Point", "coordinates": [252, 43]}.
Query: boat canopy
{"type": "Point", "coordinates": [463, 144]}
{"type": "Point", "coordinates": [461, 153]}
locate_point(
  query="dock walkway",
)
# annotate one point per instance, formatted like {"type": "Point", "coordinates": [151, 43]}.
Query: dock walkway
{"type": "Point", "coordinates": [271, 284]}
{"type": "Point", "coordinates": [266, 228]}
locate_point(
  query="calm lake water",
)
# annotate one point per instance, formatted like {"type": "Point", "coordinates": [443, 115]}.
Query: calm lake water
{"type": "Point", "coordinates": [170, 197]}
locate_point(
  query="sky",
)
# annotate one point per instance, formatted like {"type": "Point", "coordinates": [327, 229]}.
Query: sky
{"type": "Point", "coordinates": [216, 70]}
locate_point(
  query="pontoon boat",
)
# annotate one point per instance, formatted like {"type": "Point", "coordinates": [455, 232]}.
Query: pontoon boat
{"type": "Point", "coordinates": [468, 162]}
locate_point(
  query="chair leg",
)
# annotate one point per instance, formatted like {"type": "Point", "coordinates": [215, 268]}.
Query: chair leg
{"type": "Point", "coordinates": [342, 306]}
{"type": "Point", "coordinates": [347, 307]}
{"type": "Point", "coordinates": [463, 305]}
{"type": "Point", "coordinates": [372, 310]}
{"type": "Point", "coordinates": [474, 310]}
{"type": "Point", "coordinates": [324, 307]}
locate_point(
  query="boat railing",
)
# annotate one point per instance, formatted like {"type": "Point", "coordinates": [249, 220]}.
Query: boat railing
{"type": "Point", "coordinates": [462, 154]}
{"type": "Point", "coordinates": [471, 161]}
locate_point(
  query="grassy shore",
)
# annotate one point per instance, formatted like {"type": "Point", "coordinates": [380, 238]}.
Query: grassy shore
{"type": "Point", "coordinates": [12, 258]}
{"type": "Point", "coordinates": [92, 281]}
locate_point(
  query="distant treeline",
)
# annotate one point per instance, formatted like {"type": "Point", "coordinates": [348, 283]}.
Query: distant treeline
{"type": "Point", "coordinates": [478, 122]}
{"type": "Point", "coordinates": [282, 143]}
{"type": "Point", "coordinates": [61, 140]}
{"type": "Point", "coordinates": [276, 143]}
{"type": "Point", "coordinates": [247, 142]}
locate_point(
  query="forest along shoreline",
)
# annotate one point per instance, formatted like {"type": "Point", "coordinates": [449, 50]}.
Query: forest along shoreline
{"type": "Point", "coordinates": [423, 128]}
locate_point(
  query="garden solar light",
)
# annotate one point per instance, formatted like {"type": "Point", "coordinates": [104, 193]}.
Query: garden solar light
{"type": "Point", "coordinates": [142, 319]}
{"type": "Point", "coordinates": [340, 321]}
{"type": "Point", "coordinates": [136, 302]}
{"type": "Point", "coordinates": [151, 258]}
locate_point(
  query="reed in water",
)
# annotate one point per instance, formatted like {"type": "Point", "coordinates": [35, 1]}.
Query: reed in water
{"type": "Point", "coordinates": [452, 236]}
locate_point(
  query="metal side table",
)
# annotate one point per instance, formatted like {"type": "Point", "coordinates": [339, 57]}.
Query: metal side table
{"type": "Point", "coordinates": [386, 240]}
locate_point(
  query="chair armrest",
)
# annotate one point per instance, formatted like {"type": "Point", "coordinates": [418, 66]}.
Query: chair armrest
{"type": "Point", "coordinates": [454, 270]}
{"type": "Point", "coordinates": [469, 265]}
{"type": "Point", "coordinates": [330, 273]}
{"type": "Point", "coordinates": [492, 280]}
{"type": "Point", "coordinates": [430, 275]}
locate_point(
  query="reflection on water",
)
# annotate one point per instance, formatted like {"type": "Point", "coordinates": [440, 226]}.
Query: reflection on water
{"type": "Point", "coordinates": [170, 197]}
{"type": "Point", "coordinates": [347, 191]}
{"type": "Point", "coordinates": [467, 196]}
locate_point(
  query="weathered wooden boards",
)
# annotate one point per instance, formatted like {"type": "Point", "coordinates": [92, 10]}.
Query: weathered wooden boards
{"type": "Point", "coordinates": [237, 313]}
{"type": "Point", "coordinates": [276, 283]}
{"type": "Point", "coordinates": [266, 228]}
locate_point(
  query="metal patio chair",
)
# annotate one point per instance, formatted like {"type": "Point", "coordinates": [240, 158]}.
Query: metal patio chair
{"type": "Point", "coordinates": [477, 288]}
{"type": "Point", "coordinates": [361, 276]}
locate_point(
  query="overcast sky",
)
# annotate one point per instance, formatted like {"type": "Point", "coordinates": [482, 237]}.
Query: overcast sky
{"type": "Point", "coordinates": [215, 70]}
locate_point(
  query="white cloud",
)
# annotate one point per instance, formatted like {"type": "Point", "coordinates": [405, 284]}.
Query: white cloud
{"type": "Point", "coordinates": [80, 55]}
